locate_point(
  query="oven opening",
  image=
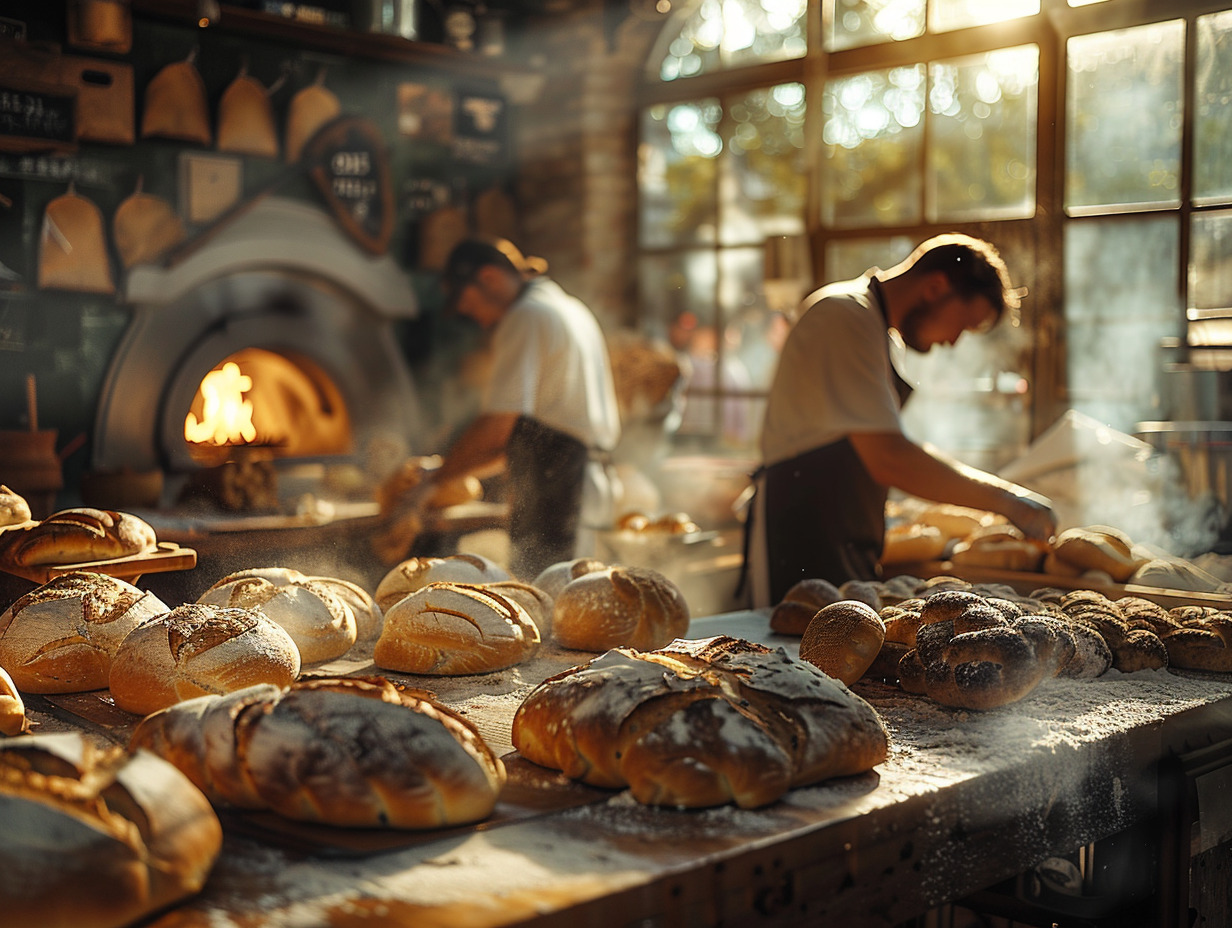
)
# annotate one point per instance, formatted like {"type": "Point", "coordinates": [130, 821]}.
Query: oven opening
{"type": "Point", "coordinates": [256, 398]}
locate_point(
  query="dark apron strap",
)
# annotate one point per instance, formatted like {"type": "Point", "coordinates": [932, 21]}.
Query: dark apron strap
{"type": "Point", "coordinates": [547, 471]}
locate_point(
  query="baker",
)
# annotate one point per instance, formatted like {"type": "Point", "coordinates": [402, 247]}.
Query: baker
{"type": "Point", "coordinates": [549, 410]}
{"type": "Point", "coordinates": [832, 441]}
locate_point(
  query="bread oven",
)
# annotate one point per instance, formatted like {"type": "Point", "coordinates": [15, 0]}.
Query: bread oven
{"type": "Point", "coordinates": [273, 341]}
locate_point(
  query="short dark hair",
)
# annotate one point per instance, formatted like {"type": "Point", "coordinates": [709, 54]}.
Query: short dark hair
{"type": "Point", "coordinates": [466, 260]}
{"type": "Point", "coordinates": [973, 267]}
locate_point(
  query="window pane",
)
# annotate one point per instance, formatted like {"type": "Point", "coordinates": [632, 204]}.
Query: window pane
{"type": "Point", "coordinates": [1121, 299]}
{"type": "Point", "coordinates": [678, 173]}
{"type": "Point", "coordinates": [852, 257]}
{"type": "Point", "coordinates": [676, 293]}
{"type": "Point", "coordinates": [731, 33]}
{"type": "Point", "coordinates": [945, 15]}
{"type": "Point", "coordinates": [1123, 117]}
{"type": "Point", "coordinates": [1212, 178]}
{"type": "Point", "coordinates": [765, 177]}
{"type": "Point", "coordinates": [1210, 270]}
{"type": "Point", "coordinates": [981, 153]}
{"type": "Point", "coordinates": [853, 23]}
{"type": "Point", "coordinates": [874, 126]}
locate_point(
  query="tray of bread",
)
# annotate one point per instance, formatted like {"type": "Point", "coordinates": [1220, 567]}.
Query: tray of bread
{"type": "Point", "coordinates": [98, 540]}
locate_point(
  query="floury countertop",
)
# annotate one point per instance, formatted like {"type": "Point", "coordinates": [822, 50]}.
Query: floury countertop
{"type": "Point", "coordinates": [964, 800]}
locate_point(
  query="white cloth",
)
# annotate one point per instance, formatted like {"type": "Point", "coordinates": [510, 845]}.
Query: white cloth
{"type": "Point", "coordinates": [550, 363]}
{"type": "Point", "coordinates": [834, 376]}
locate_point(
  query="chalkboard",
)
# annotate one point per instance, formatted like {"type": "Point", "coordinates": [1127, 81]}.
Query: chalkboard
{"type": "Point", "coordinates": [37, 117]}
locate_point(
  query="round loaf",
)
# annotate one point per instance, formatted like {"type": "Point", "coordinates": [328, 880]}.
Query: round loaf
{"type": "Point", "coordinates": [616, 607]}
{"type": "Point", "coordinates": [14, 510]}
{"type": "Point", "coordinates": [338, 751]}
{"type": "Point", "coordinates": [94, 838]}
{"type": "Point", "coordinates": [368, 616]}
{"type": "Point", "coordinates": [912, 543]}
{"type": "Point", "coordinates": [12, 709]}
{"type": "Point", "coordinates": [417, 572]}
{"type": "Point", "coordinates": [956, 522]}
{"type": "Point", "coordinates": [800, 603]}
{"type": "Point", "coordinates": [77, 536]}
{"type": "Point", "coordinates": [1097, 548]}
{"type": "Point", "coordinates": [321, 624]}
{"type": "Point", "coordinates": [1002, 547]}
{"type": "Point", "coordinates": [555, 577]}
{"type": "Point", "coordinates": [196, 650]}
{"type": "Point", "coordinates": [843, 640]}
{"type": "Point", "coordinates": [1198, 649]}
{"type": "Point", "coordinates": [61, 637]}
{"type": "Point", "coordinates": [699, 723]}
{"type": "Point", "coordinates": [448, 629]}
{"type": "Point", "coordinates": [537, 603]}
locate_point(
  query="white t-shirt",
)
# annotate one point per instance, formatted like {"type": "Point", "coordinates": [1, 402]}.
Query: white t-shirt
{"type": "Point", "coordinates": [834, 376]}
{"type": "Point", "coordinates": [550, 362]}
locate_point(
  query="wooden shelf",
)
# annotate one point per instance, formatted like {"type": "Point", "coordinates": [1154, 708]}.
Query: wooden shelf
{"type": "Point", "coordinates": [351, 43]}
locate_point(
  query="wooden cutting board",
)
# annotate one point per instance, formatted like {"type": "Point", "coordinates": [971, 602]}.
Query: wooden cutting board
{"type": "Point", "coordinates": [166, 557]}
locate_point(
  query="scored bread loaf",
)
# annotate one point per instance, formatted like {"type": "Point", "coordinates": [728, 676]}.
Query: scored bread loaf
{"type": "Point", "coordinates": [632, 607]}
{"type": "Point", "coordinates": [78, 536]}
{"type": "Point", "coordinates": [339, 751]}
{"type": "Point", "coordinates": [368, 616]}
{"type": "Point", "coordinates": [699, 723]}
{"type": "Point", "coordinates": [1096, 547]}
{"type": "Point", "coordinates": [61, 637]}
{"type": "Point", "coordinates": [321, 624]}
{"type": "Point", "coordinates": [95, 838]}
{"type": "Point", "coordinates": [553, 578]}
{"type": "Point", "coordinates": [417, 572]}
{"type": "Point", "coordinates": [455, 628]}
{"type": "Point", "coordinates": [196, 650]}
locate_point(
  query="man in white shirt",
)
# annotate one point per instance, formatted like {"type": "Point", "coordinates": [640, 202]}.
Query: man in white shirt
{"type": "Point", "coordinates": [549, 411]}
{"type": "Point", "coordinates": [832, 440]}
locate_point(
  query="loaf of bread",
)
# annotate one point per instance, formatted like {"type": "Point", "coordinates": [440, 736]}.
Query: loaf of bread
{"type": "Point", "coordinates": [335, 750]}
{"type": "Point", "coordinates": [416, 572]}
{"type": "Point", "coordinates": [632, 607]}
{"type": "Point", "coordinates": [955, 522]}
{"type": "Point", "coordinates": [537, 603]}
{"type": "Point", "coordinates": [95, 838]}
{"type": "Point", "coordinates": [61, 637]}
{"type": "Point", "coordinates": [1002, 547]}
{"type": "Point", "coordinates": [368, 616]}
{"type": "Point", "coordinates": [1096, 548]}
{"type": "Point", "coordinates": [78, 536]}
{"type": "Point", "coordinates": [12, 708]}
{"type": "Point", "coordinates": [14, 510]}
{"type": "Point", "coordinates": [449, 629]}
{"type": "Point", "coordinates": [1133, 648]}
{"type": "Point", "coordinates": [843, 639]}
{"type": "Point", "coordinates": [800, 603]}
{"type": "Point", "coordinates": [699, 723]}
{"type": "Point", "coordinates": [196, 650]}
{"type": "Point", "coordinates": [913, 543]}
{"type": "Point", "coordinates": [555, 577]}
{"type": "Point", "coordinates": [1201, 639]}
{"type": "Point", "coordinates": [321, 624]}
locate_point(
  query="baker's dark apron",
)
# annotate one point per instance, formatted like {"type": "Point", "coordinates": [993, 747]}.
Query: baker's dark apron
{"type": "Point", "coordinates": [547, 470]}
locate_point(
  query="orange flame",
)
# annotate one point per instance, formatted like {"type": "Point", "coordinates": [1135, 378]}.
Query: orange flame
{"type": "Point", "coordinates": [226, 417]}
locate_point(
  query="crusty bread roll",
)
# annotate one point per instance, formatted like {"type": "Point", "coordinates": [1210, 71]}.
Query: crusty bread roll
{"type": "Point", "coordinates": [912, 543]}
{"type": "Point", "coordinates": [1097, 547]}
{"type": "Point", "coordinates": [537, 603]}
{"type": "Point", "coordinates": [12, 709]}
{"type": "Point", "coordinates": [1202, 639]}
{"type": "Point", "coordinates": [368, 616]}
{"type": "Point", "coordinates": [555, 577]}
{"type": "Point", "coordinates": [14, 510]}
{"type": "Point", "coordinates": [1003, 547]}
{"type": "Point", "coordinates": [339, 751]}
{"type": "Point", "coordinates": [956, 521]}
{"type": "Point", "coordinates": [94, 838]}
{"type": "Point", "coordinates": [196, 650]}
{"type": "Point", "coordinates": [800, 603]}
{"type": "Point", "coordinates": [699, 723]}
{"type": "Point", "coordinates": [843, 640]}
{"type": "Point", "coordinates": [455, 628]}
{"type": "Point", "coordinates": [61, 636]}
{"type": "Point", "coordinates": [77, 536]}
{"type": "Point", "coordinates": [321, 624]}
{"type": "Point", "coordinates": [616, 607]}
{"type": "Point", "coordinates": [416, 572]}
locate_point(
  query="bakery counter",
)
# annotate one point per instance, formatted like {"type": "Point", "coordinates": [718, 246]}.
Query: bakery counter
{"type": "Point", "coordinates": [965, 800]}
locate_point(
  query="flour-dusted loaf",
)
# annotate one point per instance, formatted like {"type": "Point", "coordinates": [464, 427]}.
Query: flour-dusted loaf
{"type": "Point", "coordinates": [633, 607]}
{"type": "Point", "coordinates": [196, 650]}
{"type": "Point", "coordinates": [339, 751]}
{"type": "Point", "coordinates": [843, 639]}
{"type": "Point", "coordinates": [699, 723]}
{"type": "Point", "coordinates": [14, 510]}
{"type": "Point", "coordinates": [448, 629]}
{"type": "Point", "coordinates": [322, 625]}
{"type": "Point", "coordinates": [805, 598]}
{"type": "Point", "coordinates": [95, 838]}
{"type": "Point", "coordinates": [78, 536]}
{"type": "Point", "coordinates": [417, 572]}
{"type": "Point", "coordinates": [61, 637]}
{"type": "Point", "coordinates": [555, 577]}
